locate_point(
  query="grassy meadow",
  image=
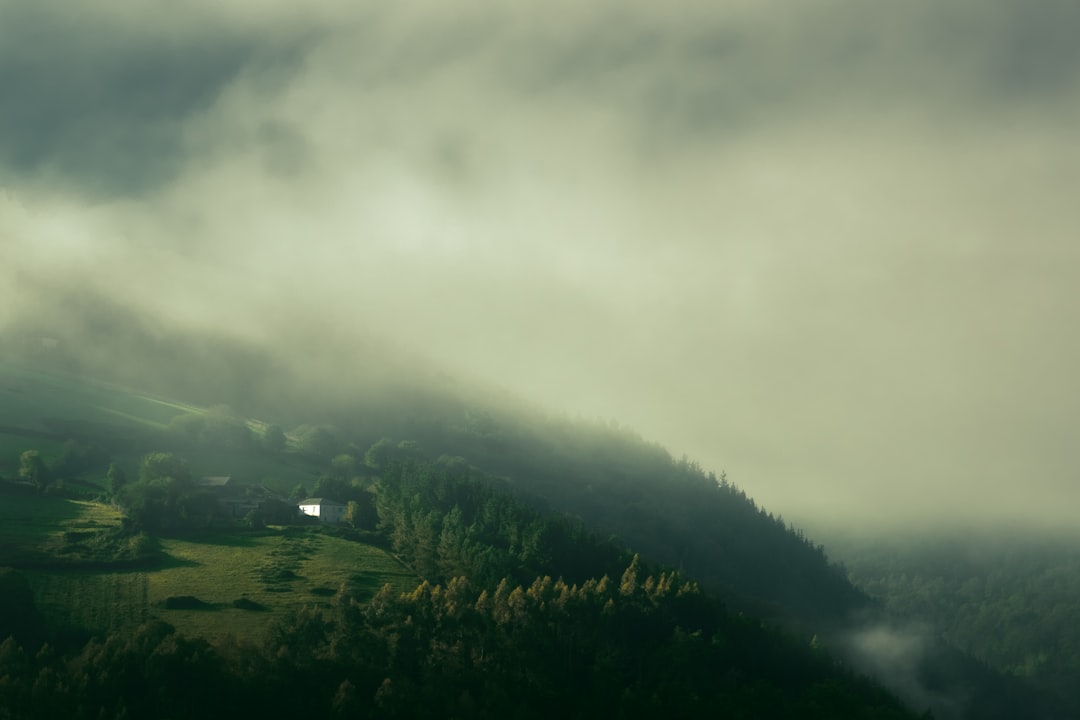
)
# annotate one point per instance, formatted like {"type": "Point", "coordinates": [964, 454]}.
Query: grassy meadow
{"type": "Point", "coordinates": [30, 397]}
{"type": "Point", "coordinates": [269, 574]}
{"type": "Point", "coordinates": [233, 581]}
{"type": "Point", "coordinates": [33, 527]}
{"type": "Point", "coordinates": [41, 411]}
{"type": "Point", "coordinates": [240, 581]}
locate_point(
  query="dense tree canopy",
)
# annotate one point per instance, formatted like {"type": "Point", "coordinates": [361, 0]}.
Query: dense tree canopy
{"type": "Point", "coordinates": [32, 468]}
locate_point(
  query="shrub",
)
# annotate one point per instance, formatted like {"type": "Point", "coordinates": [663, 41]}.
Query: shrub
{"type": "Point", "coordinates": [245, 604]}
{"type": "Point", "coordinates": [186, 602]}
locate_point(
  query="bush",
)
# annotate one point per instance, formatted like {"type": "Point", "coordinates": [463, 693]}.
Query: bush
{"type": "Point", "coordinates": [142, 546]}
{"type": "Point", "coordinates": [186, 602]}
{"type": "Point", "coordinates": [245, 604]}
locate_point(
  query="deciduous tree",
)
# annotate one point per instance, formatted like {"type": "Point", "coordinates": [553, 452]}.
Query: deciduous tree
{"type": "Point", "coordinates": [32, 467]}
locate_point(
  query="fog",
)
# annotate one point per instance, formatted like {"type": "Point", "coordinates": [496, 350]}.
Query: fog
{"type": "Point", "coordinates": [828, 247]}
{"type": "Point", "coordinates": [899, 656]}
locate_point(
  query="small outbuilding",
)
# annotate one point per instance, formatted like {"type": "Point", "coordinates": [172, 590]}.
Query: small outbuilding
{"type": "Point", "coordinates": [237, 507]}
{"type": "Point", "coordinates": [216, 482]}
{"type": "Point", "coordinates": [328, 511]}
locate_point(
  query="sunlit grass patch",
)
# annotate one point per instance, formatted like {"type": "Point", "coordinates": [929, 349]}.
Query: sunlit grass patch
{"type": "Point", "coordinates": [243, 581]}
{"type": "Point", "coordinates": [367, 568]}
{"type": "Point", "coordinates": [274, 572]}
{"type": "Point", "coordinates": [171, 407]}
{"type": "Point", "coordinates": [30, 397]}
{"type": "Point", "coordinates": [134, 418]}
{"type": "Point", "coordinates": [94, 515]}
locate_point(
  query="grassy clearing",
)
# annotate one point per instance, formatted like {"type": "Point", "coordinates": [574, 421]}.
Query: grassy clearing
{"type": "Point", "coordinates": [32, 527]}
{"type": "Point", "coordinates": [32, 532]}
{"type": "Point", "coordinates": [366, 573]}
{"type": "Point", "coordinates": [245, 580]}
{"type": "Point", "coordinates": [102, 602]}
{"type": "Point", "coordinates": [280, 570]}
{"type": "Point", "coordinates": [240, 582]}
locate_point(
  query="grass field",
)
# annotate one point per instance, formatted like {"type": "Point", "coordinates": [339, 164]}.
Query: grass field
{"type": "Point", "coordinates": [270, 572]}
{"type": "Point", "coordinates": [35, 409]}
{"type": "Point", "coordinates": [274, 572]}
{"type": "Point", "coordinates": [35, 406]}
{"type": "Point", "coordinates": [29, 397]}
{"type": "Point", "coordinates": [281, 571]}
{"type": "Point", "coordinates": [32, 526]}
{"type": "Point", "coordinates": [228, 583]}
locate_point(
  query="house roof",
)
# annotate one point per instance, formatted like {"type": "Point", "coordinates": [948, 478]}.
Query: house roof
{"type": "Point", "coordinates": [320, 501]}
{"type": "Point", "coordinates": [215, 480]}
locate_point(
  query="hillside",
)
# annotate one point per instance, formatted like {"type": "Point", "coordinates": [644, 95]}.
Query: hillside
{"type": "Point", "coordinates": [299, 600]}
{"type": "Point", "coordinates": [237, 583]}
{"type": "Point", "coordinates": [1007, 597]}
{"type": "Point", "coordinates": [607, 476]}
{"type": "Point", "coordinates": [587, 478]}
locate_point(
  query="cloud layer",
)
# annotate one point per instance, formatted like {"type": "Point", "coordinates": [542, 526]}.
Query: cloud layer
{"type": "Point", "coordinates": [829, 248]}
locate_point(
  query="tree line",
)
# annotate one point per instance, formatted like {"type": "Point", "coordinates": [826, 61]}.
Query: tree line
{"type": "Point", "coordinates": [636, 646]}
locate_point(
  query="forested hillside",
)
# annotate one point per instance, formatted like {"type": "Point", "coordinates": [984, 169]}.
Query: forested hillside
{"type": "Point", "coordinates": [1010, 599]}
{"type": "Point", "coordinates": [631, 648]}
{"type": "Point", "coordinates": [598, 471]}
{"type": "Point", "coordinates": [489, 634]}
{"type": "Point", "coordinates": [463, 482]}
{"type": "Point", "coordinates": [602, 473]}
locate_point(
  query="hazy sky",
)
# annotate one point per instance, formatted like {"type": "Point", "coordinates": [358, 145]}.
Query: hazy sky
{"type": "Point", "coordinates": [830, 247]}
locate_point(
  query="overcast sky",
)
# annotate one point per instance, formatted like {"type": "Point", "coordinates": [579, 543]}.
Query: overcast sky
{"type": "Point", "coordinates": [830, 247]}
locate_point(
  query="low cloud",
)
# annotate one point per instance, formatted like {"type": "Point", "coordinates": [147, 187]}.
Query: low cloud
{"type": "Point", "coordinates": [827, 248]}
{"type": "Point", "coordinates": [899, 657]}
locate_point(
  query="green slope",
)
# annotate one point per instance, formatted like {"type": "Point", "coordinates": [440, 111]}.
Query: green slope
{"type": "Point", "coordinates": [271, 572]}
{"type": "Point", "coordinates": [42, 411]}
{"type": "Point", "coordinates": [1009, 598]}
{"type": "Point", "coordinates": [617, 484]}
{"type": "Point", "coordinates": [32, 398]}
{"type": "Point", "coordinates": [54, 412]}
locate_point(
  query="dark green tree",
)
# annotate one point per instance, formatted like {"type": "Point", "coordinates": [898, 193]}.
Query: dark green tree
{"type": "Point", "coordinates": [273, 439]}
{"type": "Point", "coordinates": [316, 441]}
{"type": "Point", "coordinates": [18, 613]}
{"type": "Point", "coordinates": [379, 454]}
{"type": "Point", "coordinates": [116, 479]}
{"type": "Point", "coordinates": [343, 466]}
{"type": "Point", "coordinates": [162, 466]}
{"type": "Point", "coordinates": [223, 429]}
{"type": "Point", "coordinates": [164, 498]}
{"type": "Point", "coordinates": [32, 467]}
{"type": "Point", "coordinates": [333, 488]}
{"type": "Point", "coordinates": [187, 430]}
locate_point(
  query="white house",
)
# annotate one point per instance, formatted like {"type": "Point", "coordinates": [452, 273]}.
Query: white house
{"type": "Point", "coordinates": [328, 511]}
